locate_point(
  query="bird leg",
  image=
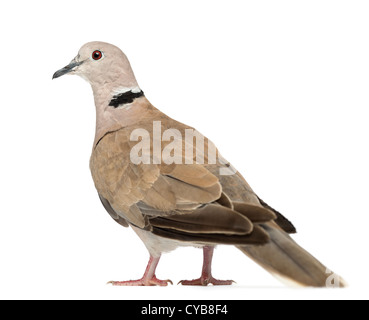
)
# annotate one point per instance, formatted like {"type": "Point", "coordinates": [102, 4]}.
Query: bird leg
{"type": "Point", "coordinates": [206, 277]}
{"type": "Point", "coordinates": [148, 279]}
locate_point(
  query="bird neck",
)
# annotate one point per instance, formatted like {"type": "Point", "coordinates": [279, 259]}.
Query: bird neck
{"type": "Point", "coordinates": [115, 110]}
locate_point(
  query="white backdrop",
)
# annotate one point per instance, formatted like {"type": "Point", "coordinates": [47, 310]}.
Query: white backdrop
{"type": "Point", "coordinates": [286, 80]}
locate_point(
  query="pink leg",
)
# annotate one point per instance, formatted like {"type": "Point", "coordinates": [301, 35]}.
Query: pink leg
{"type": "Point", "coordinates": [148, 279]}
{"type": "Point", "coordinates": [206, 277]}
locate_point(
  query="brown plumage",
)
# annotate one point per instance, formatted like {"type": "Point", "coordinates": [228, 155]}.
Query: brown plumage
{"type": "Point", "coordinates": [191, 200]}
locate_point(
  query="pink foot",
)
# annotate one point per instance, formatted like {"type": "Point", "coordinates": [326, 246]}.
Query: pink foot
{"type": "Point", "coordinates": [148, 279]}
{"type": "Point", "coordinates": [206, 277]}
{"type": "Point", "coordinates": [142, 282]}
{"type": "Point", "coordinates": [204, 281]}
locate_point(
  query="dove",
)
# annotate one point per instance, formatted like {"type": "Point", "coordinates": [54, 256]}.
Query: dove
{"type": "Point", "coordinates": [170, 184]}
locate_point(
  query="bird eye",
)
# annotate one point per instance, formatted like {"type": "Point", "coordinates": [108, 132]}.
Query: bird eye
{"type": "Point", "coordinates": [97, 55]}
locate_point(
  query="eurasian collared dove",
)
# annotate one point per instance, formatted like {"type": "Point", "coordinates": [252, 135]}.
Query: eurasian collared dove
{"type": "Point", "coordinates": [150, 175]}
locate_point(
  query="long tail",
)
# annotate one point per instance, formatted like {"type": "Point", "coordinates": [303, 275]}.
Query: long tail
{"type": "Point", "coordinates": [287, 261]}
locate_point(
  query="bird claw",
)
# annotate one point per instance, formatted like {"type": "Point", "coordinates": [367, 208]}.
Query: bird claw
{"type": "Point", "coordinates": [204, 281]}
{"type": "Point", "coordinates": [142, 282]}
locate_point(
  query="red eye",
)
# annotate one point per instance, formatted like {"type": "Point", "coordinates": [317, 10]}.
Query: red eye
{"type": "Point", "coordinates": [97, 55]}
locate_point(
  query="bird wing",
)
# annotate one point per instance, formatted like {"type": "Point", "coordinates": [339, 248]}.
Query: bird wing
{"type": "Point", "coordinates": [183, 201]}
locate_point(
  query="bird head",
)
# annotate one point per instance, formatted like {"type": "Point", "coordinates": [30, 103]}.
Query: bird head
{"type": "Point", "coordinates": [101, 64]}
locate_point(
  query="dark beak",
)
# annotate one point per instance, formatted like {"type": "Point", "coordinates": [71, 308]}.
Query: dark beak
{"type": "Point", "coordinates": [70, 67]}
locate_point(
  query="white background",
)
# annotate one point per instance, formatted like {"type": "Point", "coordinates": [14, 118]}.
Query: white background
{"type": "Point", "coordinates": [280, 86]}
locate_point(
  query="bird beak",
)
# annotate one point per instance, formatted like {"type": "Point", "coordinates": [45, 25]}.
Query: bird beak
{"type": "Point", "coordinates": [67, 69]}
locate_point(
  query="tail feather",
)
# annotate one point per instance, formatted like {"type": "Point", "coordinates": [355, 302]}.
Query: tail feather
{"type": "Point", "coordinates": [286, 260]}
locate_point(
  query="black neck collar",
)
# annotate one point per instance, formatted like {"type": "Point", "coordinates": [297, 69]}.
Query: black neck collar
{"type": "Point", "coordinates": [125, 98]}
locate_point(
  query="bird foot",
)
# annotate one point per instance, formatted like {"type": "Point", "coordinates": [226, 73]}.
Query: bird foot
{"type": "Point", "coordinates": [204, 281]}
{"type": "Point", "coordinates": [142, 282]}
